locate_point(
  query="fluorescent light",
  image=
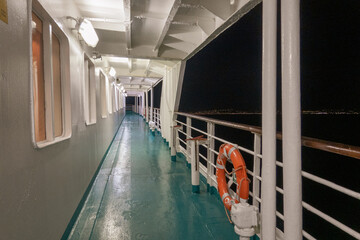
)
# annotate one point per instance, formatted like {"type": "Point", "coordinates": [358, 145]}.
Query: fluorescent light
{"type": "Point", "coordinates": [33, 25]}
{"type": "Point", "coordinates": [112, 72]}
{"type": "Point", "coordinates": [122, 88]}
{"type": "Point", "coordinates": [88, 33]}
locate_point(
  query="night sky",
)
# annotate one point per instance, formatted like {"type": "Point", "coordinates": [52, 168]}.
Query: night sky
{"type": "Point", "coordinates": [226, 74]}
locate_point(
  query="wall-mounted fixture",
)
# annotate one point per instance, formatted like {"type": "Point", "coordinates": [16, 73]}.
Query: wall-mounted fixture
{"type": "Point", "coordinates": [96, 55]}
{"type": "Point", "coordinates": [112, 72]}
{"type": "Point", "coordinates": [86, 30]}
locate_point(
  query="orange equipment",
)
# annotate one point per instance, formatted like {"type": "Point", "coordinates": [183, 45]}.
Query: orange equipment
{"type": "Point", "coordinates": [228, 151]}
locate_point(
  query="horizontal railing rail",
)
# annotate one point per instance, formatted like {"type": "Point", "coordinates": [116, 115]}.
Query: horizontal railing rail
{"type": "Point", "coordinates": [207, 170]}
{"type": "Point", "coordinates": [328, 146]}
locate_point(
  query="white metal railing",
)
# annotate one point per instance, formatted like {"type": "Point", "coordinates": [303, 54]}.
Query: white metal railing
{"type": "Point", "coordinates": [156, 118]}
{"type": "Point", "coordinates": [208, 170]}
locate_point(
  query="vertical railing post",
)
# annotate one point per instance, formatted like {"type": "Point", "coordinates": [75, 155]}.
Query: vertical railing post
{"type": "Point", "coordinates": [256, 170]}
{"type": "Point", "coordinates": [158, 118]}
{"type": "Point", "coordinates": [291, 118]}
{"type": "Point", "coordinates": [188, 135]}
{"type": "Point", "coordinates": [173, 141]}
{"type": "Point", "coordinates": [195, 175]}
{"type": "Point", "coordinates": [210, 155]}
{"type": "Point", "coordinates": [195, 166]}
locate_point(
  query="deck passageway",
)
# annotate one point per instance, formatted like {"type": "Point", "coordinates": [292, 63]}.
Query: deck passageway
{"type": "Point", "coordinates": [140, 193]}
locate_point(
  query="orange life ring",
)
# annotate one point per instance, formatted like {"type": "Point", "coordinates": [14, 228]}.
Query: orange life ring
{"type": "Point", "coordinates": [228, 151]}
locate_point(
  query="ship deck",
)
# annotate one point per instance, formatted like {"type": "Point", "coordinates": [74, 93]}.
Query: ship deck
{"type": "Point", "coordinates": [139, 193]}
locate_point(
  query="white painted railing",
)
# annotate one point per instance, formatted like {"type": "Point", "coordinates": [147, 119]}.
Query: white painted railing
{"type": "Point", "coordinates": [208, 170]}
{"type": "Point", "coordinates": [156, 118]}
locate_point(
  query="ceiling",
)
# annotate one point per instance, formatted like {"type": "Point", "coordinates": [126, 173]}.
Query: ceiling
{"type": "Point", "coordinates": [139, 38]}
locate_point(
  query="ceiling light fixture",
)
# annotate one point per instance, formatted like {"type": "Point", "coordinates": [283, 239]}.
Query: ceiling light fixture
{"type": "Point", "coordinates": [88, 33]}
{"type": "Point", "coordinates": [112, 72]}
{"type": "Point", "coordinates": [86, 30]}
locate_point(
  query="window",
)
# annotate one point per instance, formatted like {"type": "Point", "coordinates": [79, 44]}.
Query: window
{"type": "Point", "coordinates": [50, 80]}
{"type": "Point", "coordinates": [89, 91]}
{"type": "Point", "coordinates": [103, 94]}
{"type": "Point", "coordinates": [56, 68]}
{"type": "Point", "coordinates": [38, 78]}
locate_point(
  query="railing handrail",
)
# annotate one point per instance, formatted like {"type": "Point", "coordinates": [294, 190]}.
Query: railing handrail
{"type": "Point", "coordinates": [240, 126]}
{"type": "Point", "coordinates": [328, 146]}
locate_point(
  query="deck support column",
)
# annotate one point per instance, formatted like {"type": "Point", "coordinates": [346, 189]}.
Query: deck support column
{"type": "Point", "coordinates": [142, 105]}
{"type": "Point", "coordinates": [147, 106]}
{"type": "Point", "coordinates": [152, 104]}
{"type": "Point", "coordinates": [291, 118]}
{"type": "Point", "coordinates": [136, 104]}
{"type": "Point", "coordinates": [268, 188]}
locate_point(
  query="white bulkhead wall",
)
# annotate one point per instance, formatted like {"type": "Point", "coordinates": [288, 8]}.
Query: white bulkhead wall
{"type": "Point", "coordinates": [170, 97]}
{"type": "Point", "coordinates": [41, 188]}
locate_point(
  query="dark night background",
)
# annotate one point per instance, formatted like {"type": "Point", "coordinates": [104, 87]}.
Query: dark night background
{"type": "Point", "coordinates": [226, 75]}
{"type": "Point", "coordinates": [227, 72]}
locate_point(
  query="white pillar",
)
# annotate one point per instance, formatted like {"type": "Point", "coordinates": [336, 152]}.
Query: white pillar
{"type": "Point", "coordinates": [147, 106]}
{"type": "Point", "coordinates": [268, 188]}
{"type": "Point", "coordinates": [142, 104]}
{"type": "Point", "coordinates": [291, 118]}
{"type": "Point", "coordinates": [137, 104]}
{"type": "Point", "coordinates": [152, 103]}
{"type": "Point", "coordinates": [136, 100]}
{"type": "Point", "coordinates": [195, 176]}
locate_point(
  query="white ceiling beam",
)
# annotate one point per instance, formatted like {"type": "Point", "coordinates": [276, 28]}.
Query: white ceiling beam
{"type": "Point", "coordinates": [182, 46]}
{"type": "Point", "coordinates": [116, 27]}
{"type": "Point", "coordinates": [147, 70]}
{"type": "Point", "coordinates": [127, 13]}
{"type": "Point", "coordinates": [136, 89]}
{"type": "Point", "coordinates": [130, 64]}
{"type": "Point", "coordinates": [189, 5]}
{"type": "Point", "coordinates": [146, 15]}
{"type": "Point", "coordinates": [183, 23]}
{"type": "Point", "coordinates": [166, 27]}
{"type": "Point", "coordinates": [132, 84]}
{"type": "Point", "coordinates": [220, 8]}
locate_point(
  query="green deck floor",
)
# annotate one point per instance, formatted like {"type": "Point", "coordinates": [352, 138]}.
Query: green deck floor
{"type": "Point", "coordinates": [140, 193]}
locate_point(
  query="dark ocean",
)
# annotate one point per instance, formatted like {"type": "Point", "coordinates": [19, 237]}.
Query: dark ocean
{"type": "Point", "coordinates": [336, 127]}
